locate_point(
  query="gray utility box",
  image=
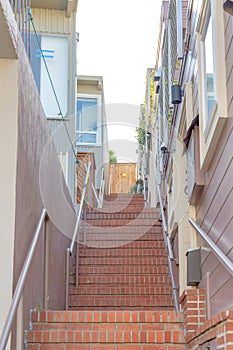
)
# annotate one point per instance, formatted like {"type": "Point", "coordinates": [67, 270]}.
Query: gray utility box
{"type": "Point", "coordinates": [193, 266]}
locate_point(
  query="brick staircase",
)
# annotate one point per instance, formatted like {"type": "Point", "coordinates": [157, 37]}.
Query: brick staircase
{"type": "Point", "coordinates": [124, 298]}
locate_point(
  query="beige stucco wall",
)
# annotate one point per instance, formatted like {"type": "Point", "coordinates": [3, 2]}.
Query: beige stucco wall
{"type": "Point", "coordinates": [8, 157]}
{"type": "Point", "coordinates": [186, 235]}
{"type": "Point", "coordinates": [31, 178]}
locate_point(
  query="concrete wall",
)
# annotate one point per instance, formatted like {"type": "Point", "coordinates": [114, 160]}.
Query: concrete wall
{"type": "Point", "coordinates": [8, 158]}
{"type": "Point", "coordinates": [31, 178]}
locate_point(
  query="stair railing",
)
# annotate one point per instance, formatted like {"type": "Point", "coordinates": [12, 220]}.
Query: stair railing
{"type": "Point", "coordinates": [170, 252]}
{"type": "Point", "coordinates": [21, 283]}
{"type": "Point", "coordinates": [223, 259]}
{"type": "Point", "coordinates": [101, 193]}
{"type": "Point", "coordinates": [20, 9]}
{"type": "Point", "coordinates": [75, 237]}
{"type": "Point", "coordinates": [99, 199]}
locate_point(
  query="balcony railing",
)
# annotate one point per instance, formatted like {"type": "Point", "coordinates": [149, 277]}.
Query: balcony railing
{"type": "Point", "coordinates": [20, 9]}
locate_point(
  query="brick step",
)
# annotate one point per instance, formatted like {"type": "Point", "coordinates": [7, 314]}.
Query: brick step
{"type": "Point", "coordinates": [156, 244]}
{"type": "Point", "coordinates": [128, 229]}
{"type": "Point", "coordinates": [124, 195]}
{"type": "Point", "coordinates": [121, 202]}
{"type": "Point", "coordinates": [124, 279]}
{"type": "Point", "coordinates": [151, 301]}
{"type": "Point", "coordinates": [122, 270]}
{"type": "Point", "coordinates": [164, 318]}
{"type": "Point", "coordinates": [124, 201]}
{"type": "Point", "coordinates": [106, 244]}
{"type": "Point", "coordinates": [121, 216]}
{"type": "Point", "coordinates": [125, 238]}
{"type": "Point", "coordinates": [122, 210]}
{"type": "Point", "coordinates": [97, 335]}
{"type": "Point", "coordinates": [133, 261]}
{"type": "Point", "coordinates": [117, 238]}
{"type": "Point", "coordinates": [120, 199]}
{"type": "Point", "coordinates": [111, 289]}
{"type": "Point", "coordinates": [108, 329]}
{"type": "Point", "coordinates": [124, 222]}
{"type": "Point", "coordinates": [122, 252]}
{"type": "Point", "coordinates": [105, 346]}
{"type": "Point", "coordinates": [108, 337]}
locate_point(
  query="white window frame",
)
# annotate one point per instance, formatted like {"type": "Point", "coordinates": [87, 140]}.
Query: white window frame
{"type": "Point", "coordinates": [99, 118]}
{"type": "Point", "coordinates": [211, 126]}
{"type": "Point", "coordinates": [45, 77]}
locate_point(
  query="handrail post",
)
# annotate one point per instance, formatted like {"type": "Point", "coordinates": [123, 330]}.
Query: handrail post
{"type": "Point", "coordinates": [77, 266]}
{"type": "Point", "coordinates": [67, 277]}
{"type": "Point", "coordinates": [46, 266]}
{"type": "Point", "coordinates": [84, 221]}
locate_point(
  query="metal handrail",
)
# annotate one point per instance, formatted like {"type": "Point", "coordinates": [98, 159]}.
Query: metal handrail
{"type": "Point", "coordinates": [224, 260]}
{"type": "Point", "coordinates": [170, 252]}
{"type": "Point", "coordinates": [95, 193]}
{"type": "Point", "coordinates": [80, 209]}
{"type": "Point", "coordinates": [101, 193]}
{"type": "Point", "coordinates": [69, 250]}
{"type": "Point", "coordinates": [21, 283]}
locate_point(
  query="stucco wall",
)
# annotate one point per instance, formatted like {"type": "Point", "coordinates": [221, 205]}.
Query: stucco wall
{"type": "Point", "coordinates": [39, 183]}
{"type": "Point", "coordinates": [8, 157]}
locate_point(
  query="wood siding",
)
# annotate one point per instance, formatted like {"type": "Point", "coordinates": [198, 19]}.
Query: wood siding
{"type": "Point", "coordinates": [214, 203]}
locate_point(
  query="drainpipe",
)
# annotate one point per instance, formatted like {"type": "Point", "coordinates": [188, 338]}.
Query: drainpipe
{"type": "Point", "coordinates": [147, 139]}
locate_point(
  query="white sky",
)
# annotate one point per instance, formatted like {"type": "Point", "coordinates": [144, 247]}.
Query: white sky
{"type": "Point", "coordinates": [118, 40]}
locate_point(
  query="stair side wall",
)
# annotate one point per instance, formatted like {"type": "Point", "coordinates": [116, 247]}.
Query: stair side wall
{"type": "Point", "coordinates": [39, 183]}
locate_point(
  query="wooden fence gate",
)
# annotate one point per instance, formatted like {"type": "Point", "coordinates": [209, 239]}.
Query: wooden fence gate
{"type": "Point", "coordinates": [122, 177]}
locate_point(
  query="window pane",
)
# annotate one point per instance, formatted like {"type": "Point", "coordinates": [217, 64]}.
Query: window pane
{"type": "Point", "coordinates": [55, 52]}
{"type": "Point", "coordinates": [86, 138]}
{"type": "Point", "coordinates": [87, 114]}
{"type": "Point", "coordinates": [209, 67]}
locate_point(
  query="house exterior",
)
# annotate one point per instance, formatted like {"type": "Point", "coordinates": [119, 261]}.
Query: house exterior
{"type": "Point", "coordinates": [192, 145]}
{"type": "Point", "coordinates": [53, 49]}
{"type": "Point", "coordinates": [31, 178]}
{"type": "Point", "coordinates": [91, 127]}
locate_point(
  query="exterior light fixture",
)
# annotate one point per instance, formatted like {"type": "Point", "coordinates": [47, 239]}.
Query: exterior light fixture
{"type": "Point", "coordinates": [157, 75]}
{"type": "Point", "coordinates": [176, 94]}
{"type": "Point", "coordinates": [163, 147]}
{"type": "Point", "coordinates": [228, 6]}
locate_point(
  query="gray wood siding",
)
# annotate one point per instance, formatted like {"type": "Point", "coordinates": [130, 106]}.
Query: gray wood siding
{"type": "Point", "coordinates": [214, 206]}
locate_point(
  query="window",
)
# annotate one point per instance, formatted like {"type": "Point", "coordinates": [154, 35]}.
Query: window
{"type": "Point", "coordinates": [211, 77]}
{"type": "Point", "coordinates": [87, 120]}
{"type": "Point", "coordinates": [207, 42]}
{"type": "Point", "coordinates": [55, 52]}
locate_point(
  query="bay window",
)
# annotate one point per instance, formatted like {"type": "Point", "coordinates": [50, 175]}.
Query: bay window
{"type": "Point", "coordinates": [211, 77]}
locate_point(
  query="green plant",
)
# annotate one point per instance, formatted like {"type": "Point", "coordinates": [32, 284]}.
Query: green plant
{"type": "Point", "coordinates": [140, 135]}
{"type": "Point", "coordinates": [112, 157]}
{"type": "Point", "coordinates": [38, 307]}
